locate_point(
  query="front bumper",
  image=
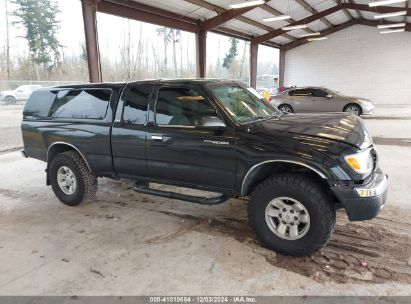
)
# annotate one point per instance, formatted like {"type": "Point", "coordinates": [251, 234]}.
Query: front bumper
{"type": "Point", "coordinates": [367, 109]}
{"type": "Point", "coordinates": [364, 202]}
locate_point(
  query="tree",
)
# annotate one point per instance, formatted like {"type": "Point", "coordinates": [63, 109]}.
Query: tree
{"type": "Point", "coordinates": [165, 33]}
{"type": "Point", "coordinates": [7, 42]}
{"type": "Point", "coordinates": [38, 18]}
{"type": "Point", "coordinates": [175, 38]}
{"type": "Point", "coordinates": [232, 53]}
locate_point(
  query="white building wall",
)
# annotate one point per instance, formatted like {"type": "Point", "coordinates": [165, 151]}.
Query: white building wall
{"type": "Point", "coordinates": [357, 61]}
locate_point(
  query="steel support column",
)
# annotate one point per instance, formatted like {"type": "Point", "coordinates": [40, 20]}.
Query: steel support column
{"type": "Point", "coordinates": [90, 29]}
{"type": "Point", "coordinates": [253, 64]}
{"type": "Point", "coordinates": [201, 53]}
{"type": "Point", "coordinates": [281, 68]}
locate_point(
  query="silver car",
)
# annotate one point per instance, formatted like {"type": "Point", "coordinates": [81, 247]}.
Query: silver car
{"type": "Point", "coordinates": [316, 99]}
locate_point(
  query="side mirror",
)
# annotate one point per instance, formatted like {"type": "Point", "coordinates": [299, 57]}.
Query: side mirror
{"type": "Point", "coordinates": [329, 96]}
{"type": "Point", "coordinates": [211, 123]}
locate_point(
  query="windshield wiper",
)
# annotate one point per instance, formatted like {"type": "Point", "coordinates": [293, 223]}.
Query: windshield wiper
{"type": "Point", "coordinates": [257, 118]}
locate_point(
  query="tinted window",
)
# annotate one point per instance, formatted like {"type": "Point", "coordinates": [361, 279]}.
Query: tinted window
{"type": "Point", "coordinates": [242, 104]}
{"type": "Point", "coordinates": [181, 106]}
{"type": "Point", "coordinates": [136, 102]}
{"type": "Point", "coordinates": [91, 103]}
{"type": "Point", "coordinates": [39, 103]}
{"type": "Point", "coordinates": [300, 92]}
{"type": "Point", "coordinates": [318, 93]}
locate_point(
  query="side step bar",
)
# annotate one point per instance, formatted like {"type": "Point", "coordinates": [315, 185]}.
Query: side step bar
{"type": "Point", "coordinates": [144, 188]}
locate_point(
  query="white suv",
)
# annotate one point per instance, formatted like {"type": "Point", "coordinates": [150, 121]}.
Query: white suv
{"type": "Point", "coordinates": [21, 93]}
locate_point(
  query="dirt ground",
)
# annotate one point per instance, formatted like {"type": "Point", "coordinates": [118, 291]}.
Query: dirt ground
{"type": "Point", "coordinates": [125, 243]}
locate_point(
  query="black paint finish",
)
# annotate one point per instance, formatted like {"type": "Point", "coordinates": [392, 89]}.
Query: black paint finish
{"type": "Point", "coordinates": [226, 161]}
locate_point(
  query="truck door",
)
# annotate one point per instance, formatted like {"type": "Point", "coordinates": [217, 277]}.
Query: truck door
{"type": "Point", "coordinates": [128, 137]}
{"type": "Point", "coordinates": [177, 151]}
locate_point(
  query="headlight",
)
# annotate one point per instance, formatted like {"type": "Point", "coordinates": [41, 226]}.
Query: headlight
{"type": "Point", "coordinates": [360, 162]}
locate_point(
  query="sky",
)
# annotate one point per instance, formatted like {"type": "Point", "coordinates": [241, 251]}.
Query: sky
{"type": "Point", "coordinates": [71, 34]}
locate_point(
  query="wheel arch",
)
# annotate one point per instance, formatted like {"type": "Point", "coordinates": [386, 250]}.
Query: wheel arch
{"type": "Point", "coordinates": [59, 146]}
{"type": "Point", "coordinates": [260, 171]}
{"type": "Point", "coordinates": [285, 104]}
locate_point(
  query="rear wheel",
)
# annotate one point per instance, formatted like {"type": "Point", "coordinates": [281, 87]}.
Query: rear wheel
{"type": "Point", "coordinates": [10, 100]}
{"type": "Point", "coordinates": [291, 214]}
{"type": "Point", "coordinates": [286, 108]}
{"type": "Point", "coordinates": [353, 108]}
{"type": "Point", "coordinates": [71, 180]}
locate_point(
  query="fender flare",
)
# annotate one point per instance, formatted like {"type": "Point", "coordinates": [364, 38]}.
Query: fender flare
{"type": "Point", "coordinates": [69, 145]}
{"type": "Point", "coordinates": [247, 175]}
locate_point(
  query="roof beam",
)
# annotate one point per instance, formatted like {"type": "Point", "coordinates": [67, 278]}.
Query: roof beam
{"type": "Point", "coordinates": [275, 12]}
{"type": "Point", "coordinates": [326, 32]}
{"type": "Point", "coordinates": [374, 23]}
{"type": "Point", "coordinates": [346, 12]}
{"type": "Point", "coordinates": [377, 9]}
{"type": "Point", "coordinates": [313, 11]}
{"type": "Point", "coordinates": [226, 16]}
{"type": "Point", "coordinates": [219, 10]}
{"type": "Point", "coordinates": [145, 16]}
{"type": "Point", "coordinates": [357, 11]}
{"type": "Point", "coordinates": [134, 10]}
{"type": "Point", "coordinates": [337, 28]}
{"type": "Point", "coordinates": [278, 32]}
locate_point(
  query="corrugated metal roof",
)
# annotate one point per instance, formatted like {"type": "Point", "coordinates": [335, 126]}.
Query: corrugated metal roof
{"type": "Point", "coordinates": [254, 24]}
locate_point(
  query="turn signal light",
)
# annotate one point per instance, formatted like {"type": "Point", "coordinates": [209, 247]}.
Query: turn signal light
{"type": "Point", "coordinates": [353, 162]}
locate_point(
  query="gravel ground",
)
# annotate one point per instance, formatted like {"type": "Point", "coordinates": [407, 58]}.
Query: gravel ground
{"type": "Point", "coordinates": [10, 133]}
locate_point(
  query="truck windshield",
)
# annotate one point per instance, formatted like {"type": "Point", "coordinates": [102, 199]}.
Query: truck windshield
{"type": "Point", "coordinates": [244, 105]}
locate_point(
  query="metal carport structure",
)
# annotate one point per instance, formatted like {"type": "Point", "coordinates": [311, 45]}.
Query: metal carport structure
{"type": "Point", "coordinates": [200, 17]}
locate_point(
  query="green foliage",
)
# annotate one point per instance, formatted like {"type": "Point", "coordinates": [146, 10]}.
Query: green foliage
{"type": "Point", "coordinates": [38, 18]}
{"type": "Point", "coordinates": [232, 53]}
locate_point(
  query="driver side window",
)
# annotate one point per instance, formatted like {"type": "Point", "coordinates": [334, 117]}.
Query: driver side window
{"type": "Point", "coordinates": [180, 106]}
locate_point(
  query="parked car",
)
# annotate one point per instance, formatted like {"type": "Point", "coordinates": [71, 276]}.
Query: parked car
{"type": "Point", "coordinates": [316, 99]}
{"type": "Point", "coordinates": [212, 135]}
{"type": "Point", "coordinates": [21, 93]}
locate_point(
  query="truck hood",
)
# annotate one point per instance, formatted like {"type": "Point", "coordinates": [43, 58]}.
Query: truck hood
{"type": "Point", "coordinates": [347, 128]}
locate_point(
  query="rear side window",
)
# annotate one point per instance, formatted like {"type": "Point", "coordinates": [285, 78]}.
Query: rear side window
{"type": "Point", "coordinates": [85, 104]}
{"type": "Point", "coordinates": [136, 103]}
{"type": "Point", "coordinates": [181, 107]}
{"type": "Point", "coordinates": [39, 104]}
{"type": "Point", "coordinates": [300, 92]}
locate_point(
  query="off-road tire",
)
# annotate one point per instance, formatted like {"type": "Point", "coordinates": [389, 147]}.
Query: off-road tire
{"type": "Point", "coordinates": [286, 108]}
{"type": "Point", "coordinates": [86, 180]}
{"type": "Point", "coordinates": [310, 194]}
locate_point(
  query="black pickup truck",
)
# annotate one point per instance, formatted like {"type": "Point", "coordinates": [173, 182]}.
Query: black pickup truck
{"type": "Point", "coordinates": [213, 135]}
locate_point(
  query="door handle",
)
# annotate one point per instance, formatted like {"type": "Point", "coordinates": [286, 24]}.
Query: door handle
{"type": "Point", "coordinates": [157, 138]}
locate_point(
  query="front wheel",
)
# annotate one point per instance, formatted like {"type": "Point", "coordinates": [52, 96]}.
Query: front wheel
{"type": "Point", "coordinates": [71, 180]}
{"type": "Point", "coordinates": [286, 108]}
{"type": "Point", "coordinates": [291, 214]}
{"type": "Point", "coordinates": [353, 108]}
